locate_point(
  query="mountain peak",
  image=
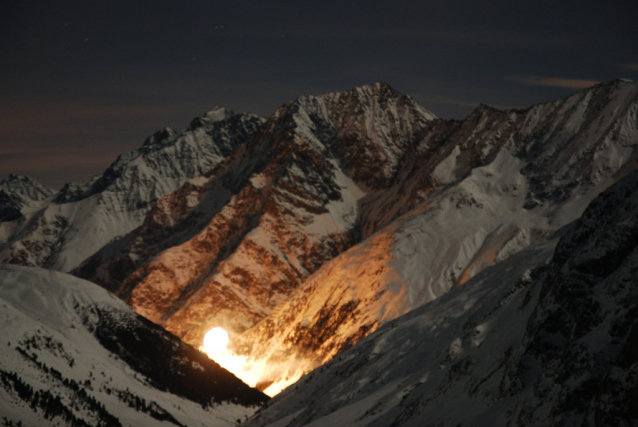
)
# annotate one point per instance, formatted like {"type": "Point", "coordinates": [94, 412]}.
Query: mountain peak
{"type": "Point", "coordinates": [25, 187]}
{"type": "Point", "coordinates": [359, 98]}
{"type": "Point", "coordinates": [159, 136]}
{"type": "Point", "coordinates": [218, 114]}
{"type": "Point", "coordinates": [482, 111]}
{"type": "Point", "coordinates": [377, 87]}
{"type": "Point", "coordinates": [611, 85]}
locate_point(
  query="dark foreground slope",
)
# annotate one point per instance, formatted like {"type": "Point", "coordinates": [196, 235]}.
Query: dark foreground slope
{"type": "Point", "coordinates": [73, 354]}
{"type": "Point", "coordinates": [552, 346]}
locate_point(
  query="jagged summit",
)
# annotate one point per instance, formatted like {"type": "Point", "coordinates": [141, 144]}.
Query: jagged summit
{"type": "Point", "coordinates": [379, 92]}
{"type": "Point", "coordinates": [25, 188]}
{"type": "Point", "coordinates": [18, 193]}
{"type": "Point", "coordinates": [217, 114]}
{"type": "Point", "coordinates": [369, 127]}
{"type": "Point", "coordinates": [620, 80]}
{"type": "Point", "coordinates": [160, 136]}
{"type": "Point", "coordinates": [481, 108]}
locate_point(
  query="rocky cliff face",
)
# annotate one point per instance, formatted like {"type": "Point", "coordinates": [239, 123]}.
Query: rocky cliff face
{"type": "Point", "coordinates": [553, 345]}
{"type": "Point", "coordinates": [51, 230]}
{"type": "Point", "coordinates": [229, 246]}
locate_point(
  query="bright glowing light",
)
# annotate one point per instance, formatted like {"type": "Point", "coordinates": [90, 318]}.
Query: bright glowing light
{"type": "Point", "coordinates": [215, 340]}
{"type": "Point", "coordinates": [249, 370]}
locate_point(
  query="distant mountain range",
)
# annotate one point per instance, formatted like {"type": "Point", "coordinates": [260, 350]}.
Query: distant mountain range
{"type": "Point", "coordinates": [304, 233]}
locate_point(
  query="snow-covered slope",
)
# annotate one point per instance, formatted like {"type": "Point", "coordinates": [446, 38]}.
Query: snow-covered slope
{"type": "Point", "coordinates": [51, 230]}
{"type": "Point", "coordinates": [74, 354]}
{"type": "Point", "coordinates": [550, 346]}
{"type": "Point", "coordinates": [228, 246]}
{"type": "Point", "coordinates": [499, 182]}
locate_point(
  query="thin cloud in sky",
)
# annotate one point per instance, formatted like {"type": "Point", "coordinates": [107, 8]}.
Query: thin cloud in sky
{"type": "Point", "coordinates": [553, 82]}
{"type": "Point", "coordinates": [630, 66]}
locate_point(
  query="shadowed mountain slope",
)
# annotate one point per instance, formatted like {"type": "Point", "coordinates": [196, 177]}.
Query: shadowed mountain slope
{"type": "Point", "coordinates": [551, 346]}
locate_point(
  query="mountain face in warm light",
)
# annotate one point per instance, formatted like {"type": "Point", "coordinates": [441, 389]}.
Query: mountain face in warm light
{"type": "Point", "coordinates": [74, 354]}
{"type": "Point", "coordinates": [345, 211]}
{"type": "Point", "coordinates": [40, 228]}
{"type": "Point", "coordinates": [510, 180]}
{"type": "Point", "coordinates": [544, 338]}
{"type": "Point", "coordinates": [230, 245]}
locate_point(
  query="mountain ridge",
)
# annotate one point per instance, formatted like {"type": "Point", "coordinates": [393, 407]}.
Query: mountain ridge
{"type": "Point", "coordinates": [113, 204]}
{"type": "Point", "coordinates": [344, 211]}
{"type": "Point", "coordinates": [298, 165]}
{"type": "Point", "coordinates": [467, 222]}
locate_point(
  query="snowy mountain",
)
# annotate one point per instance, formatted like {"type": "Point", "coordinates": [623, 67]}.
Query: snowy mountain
{"type": "Point", "coordinates": [525, 342]}
{"type": "Point", "coordinates": [488, 189]}
{"type": "Point", "coordinates": [72, 353]}
{"type": "Point", "coordinates": [39, 228]}
{"type": "Point", "coordinates": [228, 246]}
{"type": "Point", "coordinates": [341, 213]}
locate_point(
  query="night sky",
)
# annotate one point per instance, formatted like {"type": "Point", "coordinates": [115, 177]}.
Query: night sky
{"type": "Point", "coordinates": [82, 82]}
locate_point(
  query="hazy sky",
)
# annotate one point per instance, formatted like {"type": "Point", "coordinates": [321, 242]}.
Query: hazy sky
{"type": "Point", "coordinates": [83, 81]}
